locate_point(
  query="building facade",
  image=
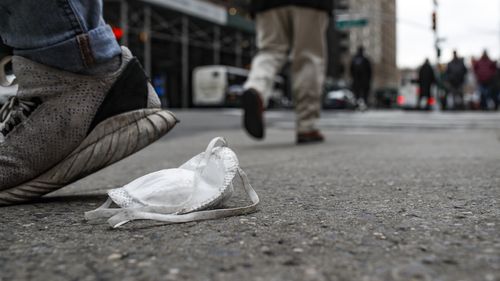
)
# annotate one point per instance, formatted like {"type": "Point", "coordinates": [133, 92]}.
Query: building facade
{"type": "Point", "coordinates": [172, 37]}
{"type": "Point", "coordinates": [378, 37]}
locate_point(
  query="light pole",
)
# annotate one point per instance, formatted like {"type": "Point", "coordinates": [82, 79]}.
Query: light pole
{"type": "Point", "coordinates": [435, 30]}
{"type": "Point", "coordinates": [437, 40]}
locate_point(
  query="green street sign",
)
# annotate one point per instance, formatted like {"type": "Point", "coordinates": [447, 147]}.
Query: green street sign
{"type": "Point", "coordinates": [345, 24]}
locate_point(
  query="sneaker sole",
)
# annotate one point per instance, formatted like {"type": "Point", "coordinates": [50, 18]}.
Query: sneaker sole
{"type": "Point", "coordinates": [109, 142]}
{"type": "Point", "coordinates": [252, 118]}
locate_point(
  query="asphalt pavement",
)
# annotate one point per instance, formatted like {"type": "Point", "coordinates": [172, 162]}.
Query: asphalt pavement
{"type": "Point", "coordinates": [390, 195]}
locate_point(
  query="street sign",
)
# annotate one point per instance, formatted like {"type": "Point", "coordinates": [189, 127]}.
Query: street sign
{"type": "Point", "coordinates": [350, 23]}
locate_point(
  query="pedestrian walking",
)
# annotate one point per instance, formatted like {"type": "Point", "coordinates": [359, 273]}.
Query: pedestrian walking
{"type": "Point", "coordinates": [455, 78]}
{"type": "Point", "coordinates": [426, 79]}
{"type": "Point", "coordinates": [83, 101]}
{"type": "Point", "coordinates": [286, 29]}
{"type": "Point", "coordinates": [361, 74]}
{"type": "Point", "coordinates": [485, 71]}
{"type": "Point", "coordinates": [496, 87]}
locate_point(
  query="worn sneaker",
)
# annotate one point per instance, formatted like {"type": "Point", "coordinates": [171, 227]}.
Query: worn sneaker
{"type": "Point", "coordinates": [310, 137]}
{"type": "Point", "coordinates": [62, 126]}
{"type": "Point", "coordinates": [253, 115]}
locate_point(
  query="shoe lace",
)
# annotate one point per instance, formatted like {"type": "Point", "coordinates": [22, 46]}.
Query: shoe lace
{"type": "Point", "coordinates": [15, 110]}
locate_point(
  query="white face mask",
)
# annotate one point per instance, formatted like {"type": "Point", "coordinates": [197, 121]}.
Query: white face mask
{"type": "Point", "coordinates": [182, 194]}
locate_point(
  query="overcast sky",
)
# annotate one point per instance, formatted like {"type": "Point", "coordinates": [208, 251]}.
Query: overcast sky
{"type": "Point", "coordinates": [467, 25]}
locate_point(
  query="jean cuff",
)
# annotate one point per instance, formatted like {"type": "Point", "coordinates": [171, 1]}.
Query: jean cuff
{"type": "Point", "coordinates": [77, 53]}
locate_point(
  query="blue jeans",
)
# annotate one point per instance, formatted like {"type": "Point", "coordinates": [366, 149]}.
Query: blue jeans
{"type": "Point", "coordinates": [66, 34]}
{"type": "Point", "coordinates": [487, 92]}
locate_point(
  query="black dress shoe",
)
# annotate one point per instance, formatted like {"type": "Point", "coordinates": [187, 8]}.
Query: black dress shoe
{"type": "Point", "coordinates": [253, 119]}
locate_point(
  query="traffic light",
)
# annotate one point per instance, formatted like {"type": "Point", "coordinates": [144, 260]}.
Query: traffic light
{"type": "Point", "coordinates": [343, 41]}
{"type": "Point", "coordinates": [434, 24]}
{"type": "Point", "coordinates": [118, 32]}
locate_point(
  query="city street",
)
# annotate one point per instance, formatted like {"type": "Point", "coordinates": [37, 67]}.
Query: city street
{"type": "Point", "coordinates": [391, 195]}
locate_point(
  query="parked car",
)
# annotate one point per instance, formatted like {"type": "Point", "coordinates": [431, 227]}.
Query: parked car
{"type": "Point", "coordinates": [408, 91]}
{"type": "Point", "coordinates": [339, 97]}
{"type": "Point", "coordinates": [219, 85]}
{"type": "Point", "coordinates": [386, 98]}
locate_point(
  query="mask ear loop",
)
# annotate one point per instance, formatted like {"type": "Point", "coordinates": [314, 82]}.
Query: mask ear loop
{"type": "Point", "coordinates": [216, 142]}
{"type": "Point", "coordinates": [102, 212]}
{"type": "Point", "coordinates": [128, 215]}
{"type": "Point", "coordinates": [105, 212]}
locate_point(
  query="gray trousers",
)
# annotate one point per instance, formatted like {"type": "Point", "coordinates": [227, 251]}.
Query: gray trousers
{"type": "Point", "coordinates": [299, 34]}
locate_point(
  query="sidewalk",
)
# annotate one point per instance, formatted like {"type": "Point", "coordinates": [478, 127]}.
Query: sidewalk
{"type": "Point", "coordinates": [366, 205]}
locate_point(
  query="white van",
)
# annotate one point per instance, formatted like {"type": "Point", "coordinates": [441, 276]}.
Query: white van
{"type": "Point", "coordinates": [219, 85]}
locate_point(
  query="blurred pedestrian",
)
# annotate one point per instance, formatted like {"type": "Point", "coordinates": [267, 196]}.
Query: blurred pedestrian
{"type": "Point", "coordinates": [83, 102]}
{"type": "Point", "coordinates": [361, 74]}
{"type": "Point", "coordinates": [442, 84]}
{"type": "Point", "coordinates": [426, 79]}
{"type": "Point", "coordinates": [455, 78]}
{"type": "Point", "coordinates": [485, 70]}
{"type": "Point", "coordinates": [295, 29]}
{"type": "Point", "coordinates": [496, 86]}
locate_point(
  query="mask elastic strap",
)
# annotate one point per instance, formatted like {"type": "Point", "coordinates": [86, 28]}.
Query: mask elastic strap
{"type": "Point", "coordinates": [102, 212]}
{"type": "Point", "coordinates": [125, 215]}
{"type": "Point", "coordinates": [218, 141]}
{"type": "Point", "coordinates": [105, 212]}
{"type": "Point", "coordinates": [215, 142]}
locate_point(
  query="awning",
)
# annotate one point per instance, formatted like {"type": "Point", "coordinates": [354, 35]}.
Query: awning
{"type": "Point", "coordinates": [195, 8]}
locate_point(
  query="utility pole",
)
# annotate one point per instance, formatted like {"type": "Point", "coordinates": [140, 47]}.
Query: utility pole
{"type": "Point", "coordinates": [436, 34]}
{"type": "Point", "coordinates": [437, 41]}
